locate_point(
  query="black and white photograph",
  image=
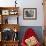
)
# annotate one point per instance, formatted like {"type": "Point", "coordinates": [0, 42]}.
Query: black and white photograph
{"type": "Point", "coordinates": [30, 13]}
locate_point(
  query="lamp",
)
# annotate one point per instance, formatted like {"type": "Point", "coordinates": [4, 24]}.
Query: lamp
{"type": "Point", "coordinates": [15, 3]}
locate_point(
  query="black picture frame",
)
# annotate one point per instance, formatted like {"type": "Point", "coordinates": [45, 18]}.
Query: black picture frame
{"type": "Point", "coordinates": [29, 13]}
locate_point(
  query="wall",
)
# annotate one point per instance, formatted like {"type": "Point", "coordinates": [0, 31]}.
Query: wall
{"type": "Point", "coordinates": [27, 4]}
{"type": "Point", "coordinates": [31, 4]}
{"type": "Point", "coordinates": [7, 3]}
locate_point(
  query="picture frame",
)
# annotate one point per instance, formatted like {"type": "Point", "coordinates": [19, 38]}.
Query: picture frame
{"type": "Point", "coordinates": [29, 13]}
{"type": "Point", "coordinates": [13, 12]}
{"type": "Point", "coordinates": [5, 12]}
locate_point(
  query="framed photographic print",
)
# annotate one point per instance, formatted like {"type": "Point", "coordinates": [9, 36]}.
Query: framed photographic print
{"type": "Point", "coordinates": [30, 13]}
{"type": "Point", "coordinates": [5, 12]}
{"type": "Point", "coordinates": [13, 12]}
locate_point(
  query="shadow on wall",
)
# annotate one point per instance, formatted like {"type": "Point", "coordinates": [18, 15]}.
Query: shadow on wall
{"type": "Point", "coordinates": [37, 29]}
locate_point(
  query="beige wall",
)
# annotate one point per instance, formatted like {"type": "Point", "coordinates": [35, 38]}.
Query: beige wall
{"type": "Point", "coordinates": [44, 4]}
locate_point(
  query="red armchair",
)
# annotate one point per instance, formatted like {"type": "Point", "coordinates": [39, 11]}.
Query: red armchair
{"type": "Point", "coordinates": [30, 34]}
